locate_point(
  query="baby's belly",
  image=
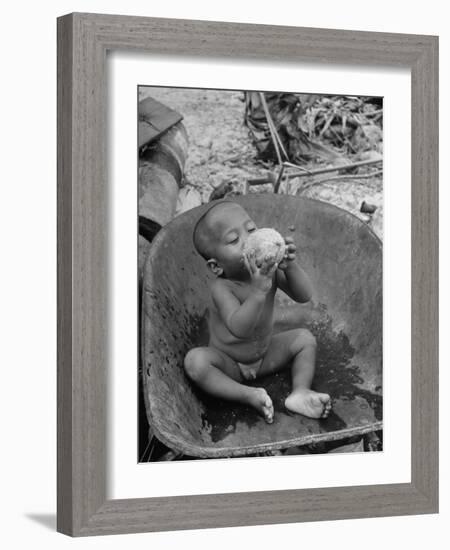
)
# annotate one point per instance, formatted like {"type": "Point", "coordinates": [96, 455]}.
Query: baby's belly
{"type": "Point", "coordinates": [244, 351]}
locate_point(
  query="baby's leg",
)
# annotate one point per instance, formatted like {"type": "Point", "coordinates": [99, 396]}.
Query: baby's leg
{"type": "Point", "coordinates": [298, 346]}
{"type": "Point", "coordinates": [218, 375]}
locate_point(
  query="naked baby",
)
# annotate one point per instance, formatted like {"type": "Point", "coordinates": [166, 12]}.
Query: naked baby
{"type": "Point", "coordinates": [242, 345]}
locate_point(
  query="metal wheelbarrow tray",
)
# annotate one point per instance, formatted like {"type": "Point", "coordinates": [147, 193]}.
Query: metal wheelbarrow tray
{"type": "Point", "coordinates": [343, 258]}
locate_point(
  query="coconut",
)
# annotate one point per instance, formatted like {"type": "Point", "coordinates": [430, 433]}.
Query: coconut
{"type": "Point", "coordinates": [265, 243]}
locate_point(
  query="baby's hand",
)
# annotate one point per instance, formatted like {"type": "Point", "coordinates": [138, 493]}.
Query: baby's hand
{"type": "Point", "coordinates": [289, 255]}
{"type": "Point", "coordinates": [261, 273]}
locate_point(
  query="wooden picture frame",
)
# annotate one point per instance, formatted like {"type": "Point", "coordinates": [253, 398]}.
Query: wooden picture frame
{"type": "Point", "coordinates": [83, 41]}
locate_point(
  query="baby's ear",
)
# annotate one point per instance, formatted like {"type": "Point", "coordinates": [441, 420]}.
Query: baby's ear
{"type": "Point", "coordinates": [214, 267]}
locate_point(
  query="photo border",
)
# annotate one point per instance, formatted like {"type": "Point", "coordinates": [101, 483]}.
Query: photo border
{"type": "Point", "coordinates": [83, 243]}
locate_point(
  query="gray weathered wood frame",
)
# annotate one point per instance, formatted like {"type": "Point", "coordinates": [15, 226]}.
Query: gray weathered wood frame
{"type": "Point", "coordinates": [83, 41]}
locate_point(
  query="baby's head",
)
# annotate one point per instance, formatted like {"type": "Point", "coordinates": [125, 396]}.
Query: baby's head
{"type": "Point", "coordinates": [220, 235]}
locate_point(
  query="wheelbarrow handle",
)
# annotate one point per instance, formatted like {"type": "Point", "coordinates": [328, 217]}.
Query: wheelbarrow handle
{"type": "Point", "coordinates": [260, 181]}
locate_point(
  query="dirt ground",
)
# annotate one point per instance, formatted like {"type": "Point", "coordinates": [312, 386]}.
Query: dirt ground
{"type": "Point", "coordinates": [221, 151]}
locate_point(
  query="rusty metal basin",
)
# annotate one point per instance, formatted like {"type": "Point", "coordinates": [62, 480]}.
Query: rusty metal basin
{"type": "Point", "coordinates": [343, 257]}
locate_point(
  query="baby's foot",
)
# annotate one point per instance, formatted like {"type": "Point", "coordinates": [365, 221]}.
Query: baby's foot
{"type": "Point", "coordinates": [260, 400]}
{"type": "Point", "coordinates": [309, 403]}
{"type": "Point", "coordinates": [249, 372]}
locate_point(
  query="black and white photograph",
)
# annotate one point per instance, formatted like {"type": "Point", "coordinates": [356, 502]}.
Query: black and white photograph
{"type": "Point", "coordinates": [260, 273]}
{"type": "Point", "coordinates": [222, 322]}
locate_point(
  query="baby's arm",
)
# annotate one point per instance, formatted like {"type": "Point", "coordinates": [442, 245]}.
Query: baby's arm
{"type": "Point", "coordinates": [241, 319]}
{"type": "Point", "coordinates": [291, 278]}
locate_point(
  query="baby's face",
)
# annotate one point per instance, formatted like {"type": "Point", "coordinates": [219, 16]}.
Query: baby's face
{"type": "Point", "coordinates": [231, 226]}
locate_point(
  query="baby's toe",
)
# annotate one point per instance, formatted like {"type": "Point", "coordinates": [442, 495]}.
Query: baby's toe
{"type": "Point", "coordinates": [324, 398]}
{"type": "Point", "coordinates": [268, 405]}
{"type": "Point", "coordinates": [326, 404]}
